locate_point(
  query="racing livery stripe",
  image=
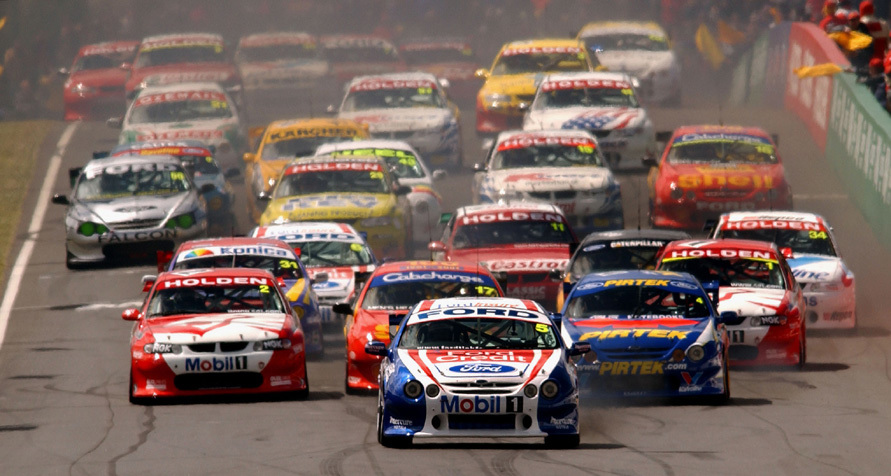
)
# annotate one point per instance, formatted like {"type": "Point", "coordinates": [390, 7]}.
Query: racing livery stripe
{"type": "Point", "coordinates": [541, 357]}
{"type": "Point", "coordinates": [420, 357]}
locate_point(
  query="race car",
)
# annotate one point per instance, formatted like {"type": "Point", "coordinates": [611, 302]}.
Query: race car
{"type": "Point", "coordinates": [409, 168]}
{"type": "Point", "coordinates": [613, 251]}
{"type": "Point", "coordinates": [94, 86]}
{"type": "Point", "coordinates": [709, 170]}
{"type": "Point", "coordinates": [260, 253]}
{"type": "Point", "coordinates": [520, 242]}
{"type": "Point", "coordinates": [390, 292]}
{"type": "Point", "coordinates": [359, 191]}
{"type": "Point", "coordinates": [127, 208]}
{"type": "Point", "coordinates": [202, 111]}
{"type": "Point", "coordinates": [451, 59]}
{"type": "Point", "coordinates": [602, 103]}
{"type": "Point", "coordinates": [409, 107]}
{"type": "Point", "coordinates": [640, 49]}
{"type": "Point", "coordinates": [562, 167]}
{"type": "Point", "coordinates": [184, 58]}
{"type": "Point", "coordinates": [356, 55]}
{"type": "Point", "coordinates": [807, 241]}
{"type": "Point", "coordinates": [756, 283]}
{"type": "Point", "coordinates": [285, 140]}
{"type": "Point", "coordinates": [477, 367]}
{"type": "Point", "coordinates": [335, 251]}
{"type": "Point", "coordinates": [280, 62]}
{"type": "Point", "coordinates": [213, 332]}
{"type": "Point", "coordinates": [652, 334]}
{"type": "Point", "coordinates": [198, 161]}
{"type": "Point", "coordinates": [511, 82]}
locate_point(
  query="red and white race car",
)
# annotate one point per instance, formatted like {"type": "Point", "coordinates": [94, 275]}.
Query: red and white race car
{"type": "Point", "coordinates": [708, 170]}
{"type": "Point", "coordinates": [95, 85]}
{"type": "Point", "coordinates": [212, 332]}
{"type": "Point", "coordinates": [755, 281]}
{"type": "Point", "coordinates": [520, 242]}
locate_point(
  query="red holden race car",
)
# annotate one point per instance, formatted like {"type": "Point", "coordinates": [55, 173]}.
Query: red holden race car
{"type": "Point", "coordinates": [95, 85]}
{"type": "Point", "coordinates": [708, 170]}
{"type": "Point", "coordinates": [520, 242]}
{"type": "Point", "coordinates": [451, 59]}
{"type": "Point", "coordinates": [182, 58]}
{"type": "Point", "coordinates": [755, 281]}
{"type": "Point", "coordinates": [212, 332]}
{"type": "Point", "coordinates": [386, 299]}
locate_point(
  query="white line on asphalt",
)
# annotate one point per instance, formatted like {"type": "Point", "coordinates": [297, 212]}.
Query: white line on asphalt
{"type": "Point", "coordinates": [827, 196]}
{"type": "Point", "coordinates": [43, 200]}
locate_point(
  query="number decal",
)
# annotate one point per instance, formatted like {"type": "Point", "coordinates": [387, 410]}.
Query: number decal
{"type": "Point", "coordinates": [737, 337]}
{"type": "Point", "coordinates": [425, 91]}
{"type": "Point", "coordinates": [558, 226]}
{"type": "Point", "coordinates": [287, 264]}
{"type": "Point", "coordinates": [376, 175]}
{"type": "Point", "coordinates": [409, 161]}
{"type": "Point", "coordinates": [627, 92]}
{"type": "Point", "coordinates": [264, 289]}
{"type": "Point", "coordinates": [177, 176]}
{"type": "Point", "coordinates": [586, 149]}
{"type": "Point", "coordinates": [811, 300]}
{"type": "Point", "coordinates": [541, 328]}
{"type": "Point", "coordinates": [817, 235]}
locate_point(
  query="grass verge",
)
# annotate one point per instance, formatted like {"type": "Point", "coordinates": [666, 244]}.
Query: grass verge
{"type": "Point", "coordinates": [19, 145]}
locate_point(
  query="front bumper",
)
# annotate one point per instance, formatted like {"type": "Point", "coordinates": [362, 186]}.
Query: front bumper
{"type": "Point", "coordinates": [831, 309]}
{"type": "Point", "coordinates": [650, 378]}
{"type": "Point", "coordinates": [131, 244]}
{"type": "Point", "coordinates": [765, 344]}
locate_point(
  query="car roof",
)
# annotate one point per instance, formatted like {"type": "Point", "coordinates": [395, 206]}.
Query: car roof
{"type": "Point", "coordinates": [193, 86]}
{"type": "Point", "coordinates": [721, 129]}
{"type": "Point", "coordinates": [513, 206]}
{"type": "Point", "coordinates": [543, 134]}
{"type": "Point", "coordinates": [297, 230]}
{"type": "Point", "coordinates": [132, 159]}
{"type": "Point", "coordinates": [167, 147]}
{"type": "Point", "coordinates": [606, 27]}
{"type": "Point", "coordinates": [402, 266]}
{"type": "Point", "coordinates": [587, 76]}
{"type": "Point", "coordinates": [438, 309]}
{"type": "Point", "coordinates": [769, 216]}
{"type": "Point", "coordinates": [634, 234]}
{"type": "Point", "coordinates": [365, 144]}
{"type": "Point", "coordinates": [406, 76]}
{"type": "Point", "coordinates": [107, 47]}
{"type": "Point", "coordinates": [722, 244]}
{"type": "Point", "coordinates": [232, 246]}
{"type": "Point", "coordinates": [272, 37]}
{"type": "Point", "coordinates": [201, 36]}
{"type": "Point", "coordinates": [542, 42]}
{"type": "Point", "coordinates": [308, 122]}
{"type": "Point", "coordinates": [647, 275]}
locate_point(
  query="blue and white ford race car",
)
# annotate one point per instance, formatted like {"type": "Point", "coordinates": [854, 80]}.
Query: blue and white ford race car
{"type": "Point", "coordinates": [812, 253]}
{"type": "Point", "coordinates": [652, 333]}
{"type": "Point", "coordinates": [334, 251]}
{"type": "Point", "coordinates": [477, 367]}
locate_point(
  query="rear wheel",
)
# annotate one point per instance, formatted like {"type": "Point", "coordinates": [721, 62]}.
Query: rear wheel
{"type": "Point", "coordinates": [724, 397]}
{"type": "Point", "coordinates": [562, 441]}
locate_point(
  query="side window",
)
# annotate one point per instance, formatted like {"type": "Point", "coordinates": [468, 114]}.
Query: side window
{"type": "Point", "coordinates": [447, 232]}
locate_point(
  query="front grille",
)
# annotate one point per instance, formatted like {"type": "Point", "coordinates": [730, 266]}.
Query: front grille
{"type": "Point", "coordinates": [232, 346]}
{"type": "Point", "coordinates": [600, 134]}
{"type": "Point", "coordinates": [564, 194]}
{"type": "Point", "coordinates": [488, 388]}
{"type": "Point", "coordinates": [203, 348]}
{"type": "Point", "coordinates": [540, 195]}
{"type": "Point", "coordinates": [646, 353]}
{"type": "Point", "coordinates": [482, 422]}
{"type": "Point", "coordinates": [723, 193]}
{"type": "Point", "coordinates": [135, 224]}
{"type": "Point", "coordinates": [136, 252]}
{"type": "Point", "coordinates": [211, 381]}
{"type": "Point", "coordinates": [629, 383]}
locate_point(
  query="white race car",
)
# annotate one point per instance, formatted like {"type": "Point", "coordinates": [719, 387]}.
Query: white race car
{"type": "Point", "coordinates": [410, 107]}
{"type": "Point", "coordinates": [562, 167]}
{"type": "Point", "coordinates": [604, 104]}
{"type": "Point", "coordinates": [812, 253]}
{"type": "Point", "coordinates": [280, 61]}
{"type": "Point", "coordinates": [202, 111]}
{"type": "Point", "coordinates": [640, 49]}
{"type": "Point", "coordinates": [335, 249]}
{"type": "Point", "coordinates": [408, 166]}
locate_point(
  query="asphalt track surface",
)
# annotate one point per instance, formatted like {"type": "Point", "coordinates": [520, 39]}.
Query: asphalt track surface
{"type": "Point", "coordinates": [64, 373]}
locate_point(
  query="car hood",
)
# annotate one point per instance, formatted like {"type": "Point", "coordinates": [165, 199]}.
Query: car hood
{"type": "Point", "coordinates": [212, 131]}
{"type": "Point", "coordinates": [588, 118]}
{"type": "Point", "coordinates": [540, 257]}
{"type": "Point", "coordinates": [133, 208]}
{"type": "Point", "coordinates": [341, 281]}
{"type": "Point", "coordinates": [503, 365]}
{"type": "Point", "coordinates": [817, 269]}
{"type": "Point", "coordinates": [752, 301]}
{"type": "Point", "coordinates": [731, 175]}
{"type": "Point", "coordinates": [637, 63]}
{"type": "Point", "coordinates": [617, 333]}
{"type": "Point", "coordinates": [400, 119]}
{"type": "Point", "coordinates": [284, 69]}
{"type": "Point", "coordinates": [228, 327]}
{"type": "Point", "coordinates": [333, 206]}
{"type": "Point", "coordinates": [99, 77]}
{"type": "Point", "coordinates": [548, 179]}
{"type": "Point", "coordinates": [182, 73]}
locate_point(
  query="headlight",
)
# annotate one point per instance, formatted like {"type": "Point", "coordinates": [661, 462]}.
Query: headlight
{"type": "Point", "coordinates": [695, 353]}
{"type": "Point", "coordinates": [158, 348]}
{"type": "Point", "coordinates": [89, 228]}
{"type": "Point", "coordinates": [432, 390]}
{"type": "Point", "coordinates": [676, 192]}
{"type": "Point", "coordinates": [186, 220]}
{"type": "Point", "coordinates": [273, 344]}
{"type": "Point", "coordinates": [549, 389]}
{"type": "Point", "coordinates": [270, 184]}
{"type": "Point", "coordinates": [81, 88]}
{"type": "Point", "coordinates": [413, 389]}
{"type": "Point", "coordinates": [377, 221]}
{"type": "Point", "coordinates": [530, 391]}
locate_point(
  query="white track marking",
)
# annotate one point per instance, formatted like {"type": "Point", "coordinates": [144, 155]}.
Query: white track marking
{"type": "Point", "coordinates": [21, 261]}
{"type": "Point", "coordinates": [826, 196]}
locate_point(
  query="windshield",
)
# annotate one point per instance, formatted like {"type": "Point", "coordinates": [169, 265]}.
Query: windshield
{"type": "Point", "coordinates": [539, 62]}
{"type": "Point", "coordinates": [299, 147]}
{"type": "Point", "coordinates": [281, 52]}
{"type": "Point", "coordinates": [438, 55]}
{"type": "Point", "coordinates": [479, 334]}
{"type": "Point", "coordinates": [638, 302]}
{"type": "Point", "coordinates": [510, 232]}
{"type": "Point", "coordinates": [215, 299]}
{"type": "Point", "coordinates": [131, 180]}
{"type": "Point", "coordinates": [547, 156]}
{"type": "Point", "coordinates": [199, 165]}
{"type": "Point", "coordinates": [405, 294]}
{"type": "Point", "coordinates": [279, 267]}
{"type": "Point", "coordinates": [586, 97]}
{"type": "Point", "coordinates": [627, 42]}
{"type": "Point", "coordinates": [810, 242]}
{"type": "Point", "coordinates": [751, 151]}
{"type": "Point", "coordinates": [110, 60]}
{"type": "Point", "coordinates": [361, 54]}
{"type": "Point", "coordinates": [316, 254]}
{"type": "Point", "coordinates": [737, 272]}
{"type": "Point", "coordinates": [402, 163]}
{"type": "Point", "coordinates": [393, 98]}
{"type": "Point", "coordinates": [602, 257]}
{"type": "Point", "coordinates": [179, 111]}
{"type": "Point", "coordinates": [345, 181]}
{"type": "Point", "coordinates": [187, 53]}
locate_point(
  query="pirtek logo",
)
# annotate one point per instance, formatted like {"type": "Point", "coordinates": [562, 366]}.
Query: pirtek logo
{"type": "Point", "coordinates": [226, 364]}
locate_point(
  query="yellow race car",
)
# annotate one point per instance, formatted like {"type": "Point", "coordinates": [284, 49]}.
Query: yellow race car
{"type": "Point", "coordinates": [282, 142]}
{"type": "Point", "coordinates": [514, 76]}
{"type": "Point", "coordinates": [359, 191]}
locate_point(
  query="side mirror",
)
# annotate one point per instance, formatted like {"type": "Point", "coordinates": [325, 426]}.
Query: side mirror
{"type": "Point", "coordinates": [439, 174]}
{"type": "Point", "coordinates": [445, 217]}
{"type": "Point", "coordinates": [319, 278]}
{"type": "Point", "coordinates": [479, 167]}
{"type": "Point", "coordinates": [207, 188]}
{"type": "Point", "coordinates": [232, 173]}
{"type": "Point", "coordinates": [264, 196]}
{"type": "Point", "coordinates": [115, 122]}
{"type": "Point", "coordinates": [556, 274]}
{"type": "Point", "coordinates": [331, 110]}
{"type": "Point", "coordinates": [523, 106]}
{"type": "Point", "coordinates": [787, 253]}
{"type": "Point", "coordinates": [60, 199]}
{"type": "Point", "coordinates": [557, 318]}
{"type": "Point", "coordinates": [73, 174]}
{"type": "Point", "coordinates": [481, 73]}
{"type": "Point", "coordinates": [342, 308]}
{"type": "Point", "coordinates": [649, 162]}
{"type": "Point", "coordinates": [131, 314]}
{"type": "Point", "coordinates": [579, 348]}
{"type": "Point", "coordinates": [444, 83]}
{"type": "Point", "coordinates": [402, 190]}
{"type": "Point", "coordinates": [249, 157]}
{"type": "Point", "coordinates": [149, 280]}
{"type": "Point", "coordinates": [63, 72]}
{"type": "Point", "coordinates": [436, 246]}
{"type": "Point", "coordinates": [727, 317]}
{"type": "Point", "coordinates": [126, 66]}
{"type": "Point", "coordinates": [376, 348]}
{"type": "Point", "coordinates": [163, 259]}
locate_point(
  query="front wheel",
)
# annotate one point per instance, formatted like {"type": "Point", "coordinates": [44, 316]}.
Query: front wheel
{"type": "Point", "coordinates": [562, 441]}
{"type": "Point", "coordinates": [386, 440]}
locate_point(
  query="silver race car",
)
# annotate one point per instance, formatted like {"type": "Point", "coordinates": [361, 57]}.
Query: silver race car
{"type": "Point", "coordinates": [127, 208]}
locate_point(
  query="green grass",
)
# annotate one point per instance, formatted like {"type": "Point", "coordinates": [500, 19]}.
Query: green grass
{"type": "Point", "coordinates": [19, 145]}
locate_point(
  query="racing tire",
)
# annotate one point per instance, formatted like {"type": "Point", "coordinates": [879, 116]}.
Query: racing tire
{"type": "Point", "coordinates": [389, 441]}
{"type": "Point", "coordinates": [802, 350]}
{"type": "Point", "coordinates": [562, 441]}
{"type": "Point", "coordinates": [723, 398]}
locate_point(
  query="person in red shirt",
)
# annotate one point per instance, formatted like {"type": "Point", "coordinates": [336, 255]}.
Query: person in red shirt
{"type": "Point", "coordinates": [831, 21]}
{"type": "Point", "coordinates": [877, 27]}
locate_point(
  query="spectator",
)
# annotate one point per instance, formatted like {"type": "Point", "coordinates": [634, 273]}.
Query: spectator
{"type": "Point", "coordinates": [877, 28]}
{"type": "Point", "coordinates": [831, 21]}
{"type": "Point", "coordinates": [875, 78]}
